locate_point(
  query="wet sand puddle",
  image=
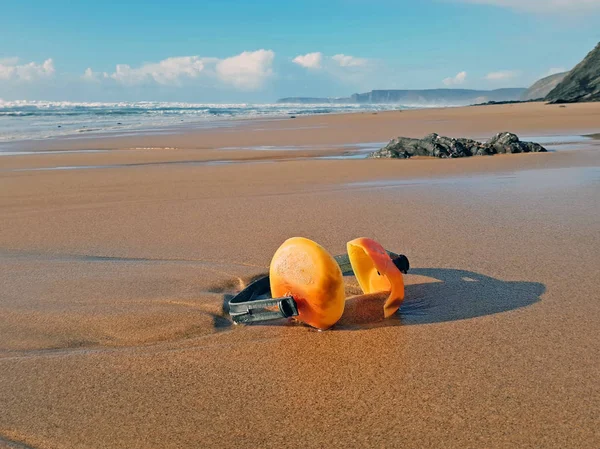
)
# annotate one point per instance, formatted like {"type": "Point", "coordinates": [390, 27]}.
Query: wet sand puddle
{"type": "Point", "coordinates": [351, 151]}
{"type": "Point", "coordinates": [549, 178]}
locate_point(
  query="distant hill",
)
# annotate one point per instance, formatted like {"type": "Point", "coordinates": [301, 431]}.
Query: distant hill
{"type": "Point", "coordinates": [582, 83]}
{"type": "Point", "coordinates": [314, 100]}
{"type": "Point", "coordinates": [542, 87]}
{"type": "Point", "coordinates": [426, 97]}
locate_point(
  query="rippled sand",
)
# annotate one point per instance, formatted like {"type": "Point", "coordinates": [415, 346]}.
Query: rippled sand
{"type": "Point", "coordinates": [113, 282]}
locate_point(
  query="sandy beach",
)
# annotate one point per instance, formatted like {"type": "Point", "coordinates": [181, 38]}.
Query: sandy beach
{"type": "Point", "coordinates": [115, 265]}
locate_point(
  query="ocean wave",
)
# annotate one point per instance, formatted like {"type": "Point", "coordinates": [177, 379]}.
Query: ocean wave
{"type": "Point", "coordinates": [24, 119]}
{"type": "Point", "coordinates": [120, 104]}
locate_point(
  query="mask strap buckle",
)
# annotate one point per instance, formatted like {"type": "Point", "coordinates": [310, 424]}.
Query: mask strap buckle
{"type": "Point", "coordinates": [255, 304]}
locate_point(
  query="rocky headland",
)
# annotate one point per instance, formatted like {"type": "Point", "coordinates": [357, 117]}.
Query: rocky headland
{"type": "Point", "coordinates": [430, 97]}
{"type": "Point", "coordinates": [582, 83]}
{"type": "Point", "coordinates": [543, 87]}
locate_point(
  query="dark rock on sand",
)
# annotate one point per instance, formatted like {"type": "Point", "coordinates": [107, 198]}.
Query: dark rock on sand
{"type": "Point", "coordinates": [510, 143]}
{"type": "Point", "coordinates": [435, 145]}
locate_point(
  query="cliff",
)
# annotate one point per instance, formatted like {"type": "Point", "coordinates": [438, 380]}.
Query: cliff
{"type": "Point", "coordinates": [426, 97]}
{"type": "Point", "coordinates": [582, 83]}
{"type": "Point", "coordinates": [542, 87]}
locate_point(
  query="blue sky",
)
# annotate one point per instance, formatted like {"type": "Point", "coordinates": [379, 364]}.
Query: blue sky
{"type": "Point", "coordinates": [257, 51]}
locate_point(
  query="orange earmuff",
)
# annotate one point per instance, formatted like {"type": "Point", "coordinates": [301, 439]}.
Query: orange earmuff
{"type": "Point", "coordinates": [306, 282]}
{"type": "Point", "coordinates": [376, 272]}
{"type": "Point", "coordinates": [305, 271]}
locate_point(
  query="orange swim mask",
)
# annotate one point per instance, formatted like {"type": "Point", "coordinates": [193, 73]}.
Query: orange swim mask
{"type": "Point", "coordinates": [306, 282]}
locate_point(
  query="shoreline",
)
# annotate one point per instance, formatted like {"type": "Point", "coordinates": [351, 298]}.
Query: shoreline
{"type": "Point", "coordinates": [321, 136]}
{"type": "Point", "coordinates": [385, 125]}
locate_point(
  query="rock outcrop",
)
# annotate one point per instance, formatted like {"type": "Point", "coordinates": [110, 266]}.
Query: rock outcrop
{"type": "Point", "coordinates": [543, 87]}
{"type": "Point", "coordinates": [582, 83]}
{"type": "Point", "coordinates": [434, 145]}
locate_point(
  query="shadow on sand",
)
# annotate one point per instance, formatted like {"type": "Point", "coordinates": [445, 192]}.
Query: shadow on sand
{"type": "Point", "coordinates": [448, 295]}
{"type": "Point", "coordinates": [464, 294]}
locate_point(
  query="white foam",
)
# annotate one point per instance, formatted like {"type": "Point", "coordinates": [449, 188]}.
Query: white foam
{"type": "Point", "coordinates": [26, 119]}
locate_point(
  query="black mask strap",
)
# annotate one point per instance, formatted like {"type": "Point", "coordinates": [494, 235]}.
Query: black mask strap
{"type": "Point", "coordinates": [400, 260]}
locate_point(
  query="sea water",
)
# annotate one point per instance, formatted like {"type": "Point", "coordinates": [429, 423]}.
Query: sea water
{"type": "Point", "coordinates": [21, 120]}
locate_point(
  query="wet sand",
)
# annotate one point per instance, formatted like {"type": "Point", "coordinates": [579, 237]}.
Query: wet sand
{"type": "Point", "coordinates": [113, 282]}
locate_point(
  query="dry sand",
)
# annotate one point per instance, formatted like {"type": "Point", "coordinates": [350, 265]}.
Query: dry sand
{"type": "Point", "coordinates": [112, 281]}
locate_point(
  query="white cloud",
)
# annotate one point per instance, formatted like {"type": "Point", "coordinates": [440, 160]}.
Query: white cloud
{"type": "Point", "coordinates": [543, 6]}
{"type": "Point", "coordinates": [555, 70]}
{"type": "Point", "coordinates": [309, 60]}
{"type": "Point", "coordinates": [168, 71]}
{"type": "Point", "coordinates": [502, 75]}
{"type": "Point", "coordinates": [316, 60]}
{"type": "Point", "coordinates": [9, 61]}
{"type": "Point", "coordinates": [460, 78]}
{"type": "Point", "coordinates": [248, 70]}
{"type": "Point", "coordinates": [90, 75]}
{"type": "Point", "coordinates": [349, 61]}
{"type": "Point", "coordinates": [10, 69]}
{"type": "Point", "coordinates": [349, 70]}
